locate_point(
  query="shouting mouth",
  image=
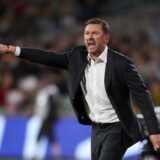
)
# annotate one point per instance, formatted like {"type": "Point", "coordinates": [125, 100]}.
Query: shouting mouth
{"type": "Point", "coordinates": [91, 44]}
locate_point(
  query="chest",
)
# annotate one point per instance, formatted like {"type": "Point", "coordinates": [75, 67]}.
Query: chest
{"type": "Point", "coordinates": [93, 79]}
{"type": "Point", "coordinates": [94, 74]}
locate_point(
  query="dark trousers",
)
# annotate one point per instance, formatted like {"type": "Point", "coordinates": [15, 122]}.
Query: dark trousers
{"type": "Point", "coordinates": [107, 142]}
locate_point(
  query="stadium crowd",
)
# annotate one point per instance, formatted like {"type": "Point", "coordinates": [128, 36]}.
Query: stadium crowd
{"type": "Point", "coordinates": [56, 25]}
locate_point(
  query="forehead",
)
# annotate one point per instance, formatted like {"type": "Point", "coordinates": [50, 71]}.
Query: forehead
{"type": "Point", "coordinates": [93, 27]}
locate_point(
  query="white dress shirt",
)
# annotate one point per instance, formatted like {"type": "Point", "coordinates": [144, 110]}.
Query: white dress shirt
{"type": "Point", "coordinates": [98, 104]}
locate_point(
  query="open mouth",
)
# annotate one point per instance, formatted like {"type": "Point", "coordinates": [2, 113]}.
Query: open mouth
{"type": "Point", "coordinates": [91, 44]}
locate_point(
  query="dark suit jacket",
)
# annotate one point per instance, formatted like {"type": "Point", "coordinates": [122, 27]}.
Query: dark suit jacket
{"type": "Point", "coordinates": [121, 80]}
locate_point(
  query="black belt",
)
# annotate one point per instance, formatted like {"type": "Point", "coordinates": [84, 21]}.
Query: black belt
{"type": "Point", "coordinates": [102, 125]}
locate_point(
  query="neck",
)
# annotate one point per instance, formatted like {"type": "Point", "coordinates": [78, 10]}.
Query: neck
{"type": "Point", "coordinates": [96, 54]}
{"type": "Point", "coordinates": [94, 57]}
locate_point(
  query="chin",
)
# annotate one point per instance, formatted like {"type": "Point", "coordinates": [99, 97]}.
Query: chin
{"type": "Point", "coordinates": [91, 51]}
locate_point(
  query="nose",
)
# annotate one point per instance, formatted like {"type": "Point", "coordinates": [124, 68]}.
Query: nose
{"type": "Point", "coordinates": [90, 36]}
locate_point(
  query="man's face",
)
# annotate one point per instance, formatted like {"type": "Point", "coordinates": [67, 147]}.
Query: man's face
{"type": "Point", "coordinates": [95, 39]}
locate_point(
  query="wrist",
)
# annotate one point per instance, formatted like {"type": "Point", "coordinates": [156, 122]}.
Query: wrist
{"type": "Point", "coordinates": [11, 49]}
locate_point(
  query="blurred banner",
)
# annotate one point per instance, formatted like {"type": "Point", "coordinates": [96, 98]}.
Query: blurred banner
{"type": "Point", "coordinates": [18, 140]}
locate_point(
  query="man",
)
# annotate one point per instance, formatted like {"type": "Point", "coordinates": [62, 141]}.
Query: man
{"type": "Point", "coordinates": [100, 83]}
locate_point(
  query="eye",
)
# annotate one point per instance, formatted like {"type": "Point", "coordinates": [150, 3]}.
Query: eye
{"type": "Point", "coordinates": [95, 33]}
{"type": "Point", "coordinates": [86, 33]}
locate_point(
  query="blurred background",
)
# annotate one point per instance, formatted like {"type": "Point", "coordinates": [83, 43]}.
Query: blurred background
{"type": "Point", "coordinates": [34, 96]}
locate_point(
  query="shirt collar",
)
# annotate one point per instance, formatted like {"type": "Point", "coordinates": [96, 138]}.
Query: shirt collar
{"type": "Point", "coordinates": [102, 56]}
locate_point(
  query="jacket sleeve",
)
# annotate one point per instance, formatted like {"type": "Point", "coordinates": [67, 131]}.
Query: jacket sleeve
{"type": "Point", "coordinates": [45, 57]}
{"type": "Point", "coordinates": [141, 96]}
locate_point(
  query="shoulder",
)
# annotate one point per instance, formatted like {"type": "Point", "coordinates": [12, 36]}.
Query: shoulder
{"type": "Point", "coordinates": [122, 62]}
{"type": "Point", "coordinates": [119, 56]}
{"type": "Point", "coordinates": [78, 50]}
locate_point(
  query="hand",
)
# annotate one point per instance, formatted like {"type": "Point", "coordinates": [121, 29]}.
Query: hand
{"type": "Point", "coordinates": [7, 52]}
{"type": "Point", "coordinates": [155, 139]}
{"type": "Point", "coordinates": [7, 49]}
{"type": "Point", "coordinates": [4, 48]}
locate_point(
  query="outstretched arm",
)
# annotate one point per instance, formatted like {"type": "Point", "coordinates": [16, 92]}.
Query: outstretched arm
{"type": "Point", "coordinates": [35, 55]}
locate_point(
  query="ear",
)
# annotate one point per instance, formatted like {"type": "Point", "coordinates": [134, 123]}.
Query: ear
{"type": "Point", "coordinates": [107, 38]}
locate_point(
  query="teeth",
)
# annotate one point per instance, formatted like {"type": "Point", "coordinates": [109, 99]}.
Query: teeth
{"type": "Point", "coordinates": [91, 43]}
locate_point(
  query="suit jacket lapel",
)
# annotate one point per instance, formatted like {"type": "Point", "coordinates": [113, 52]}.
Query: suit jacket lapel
{"type": "Point", "coordinates": [82, 68]}
{"type": "Point", "coordinates": [109, 67]}
{"type": "Point", "coordinates": [78, 70]}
